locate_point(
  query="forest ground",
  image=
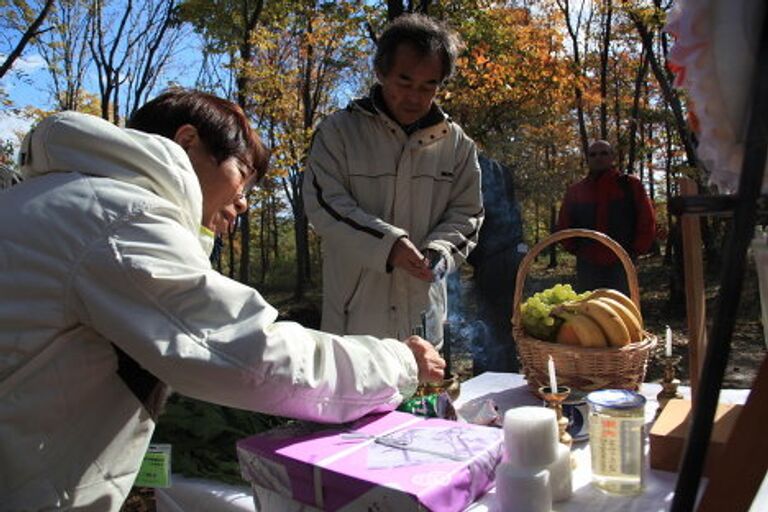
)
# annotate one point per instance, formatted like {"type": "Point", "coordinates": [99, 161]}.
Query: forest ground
{"type": "Point", "coordinates": [193, 427]}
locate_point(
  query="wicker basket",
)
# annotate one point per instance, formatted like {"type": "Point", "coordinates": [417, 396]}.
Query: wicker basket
{"type": "Point", "coordinates": [580, 368]}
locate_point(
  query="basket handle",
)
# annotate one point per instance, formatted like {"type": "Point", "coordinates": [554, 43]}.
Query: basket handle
{"type": "Point", "coordinates": [626, 261]}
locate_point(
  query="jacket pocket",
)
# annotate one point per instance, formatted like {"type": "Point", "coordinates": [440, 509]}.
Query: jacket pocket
{"type": "Point", "coordinates": [352, 297]}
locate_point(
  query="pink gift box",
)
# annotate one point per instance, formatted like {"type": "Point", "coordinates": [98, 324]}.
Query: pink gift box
{"type": "Point", "coordinates": [390, 462]}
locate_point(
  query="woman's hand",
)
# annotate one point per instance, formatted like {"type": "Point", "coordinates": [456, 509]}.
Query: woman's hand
{"type": "Point", "coordinates": [431, 365]}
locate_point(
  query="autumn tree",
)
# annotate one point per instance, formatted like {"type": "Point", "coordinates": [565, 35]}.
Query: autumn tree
{"type": "Point", "coordinates": [298, 79]}
{"type": "Point", "coordinates": [574, 17]}
{"type": "Point", "coordinates": [64, 47]}
{"type": "Point", "coordinates": [510, 53]}
{"type": "Point", "coordinates": [396, 8]}
{"type": "Point", "coordinates": [130, 44]}
{"type": "Point", "coordinates": [229, 30]}
{"type": "Point", "coordinates": [27, 21]}
{"type": "Point", "coordinates": [648, 20]}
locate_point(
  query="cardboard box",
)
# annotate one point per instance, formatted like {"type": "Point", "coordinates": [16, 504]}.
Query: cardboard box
{"type": "Point", "coordinates": [392, 462]}
{"type": "Point", "coordinates": [669, 432]}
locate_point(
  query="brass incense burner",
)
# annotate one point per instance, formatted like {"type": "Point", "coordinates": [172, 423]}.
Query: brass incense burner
{"type": "Point", "coordinates": [450, 385]}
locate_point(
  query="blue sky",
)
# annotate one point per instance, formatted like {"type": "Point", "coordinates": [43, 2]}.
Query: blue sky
{"type": "Point", "coordinates": [25, 85]}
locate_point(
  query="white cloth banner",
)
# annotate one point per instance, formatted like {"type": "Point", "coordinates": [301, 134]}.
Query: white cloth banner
{"type": "Point", "coordinates": [713, 59]}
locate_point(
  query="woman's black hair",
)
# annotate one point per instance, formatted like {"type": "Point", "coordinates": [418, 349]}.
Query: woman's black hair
{"type": "Point", "coordinates": [221, 125]}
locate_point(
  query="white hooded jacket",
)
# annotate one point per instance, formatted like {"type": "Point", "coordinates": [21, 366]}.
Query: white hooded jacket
{"type": "Point", "coordinates": [99, 246]}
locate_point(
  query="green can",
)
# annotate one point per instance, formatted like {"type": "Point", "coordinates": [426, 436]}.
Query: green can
{"type": "Point", "coordinates": [437, 405]}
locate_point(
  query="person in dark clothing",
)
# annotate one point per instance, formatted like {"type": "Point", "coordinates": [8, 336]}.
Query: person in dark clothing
{"type": "Point", "coordinates": [495, 261]}
{"type": "Point", "coordinates": [615, 204]}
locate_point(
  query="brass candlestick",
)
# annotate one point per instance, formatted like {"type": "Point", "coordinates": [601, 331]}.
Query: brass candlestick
{"type": "Point", "coordinates": [555, 401]}
{"type": "Point", "coordinates": [669, 384]}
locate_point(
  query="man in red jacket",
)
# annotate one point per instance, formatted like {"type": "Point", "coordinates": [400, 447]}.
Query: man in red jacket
{"type": "Point", "coordinates": [615, 204]}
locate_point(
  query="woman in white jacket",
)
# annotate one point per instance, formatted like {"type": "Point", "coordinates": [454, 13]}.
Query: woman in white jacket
{"type": "Point", "coordinates": [106, 289]}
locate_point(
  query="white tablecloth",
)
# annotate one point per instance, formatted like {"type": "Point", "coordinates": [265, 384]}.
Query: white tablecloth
{"type": "Point", "coordinates": [510, 390]}
{"type": "Point", "coordinates": [506, 390]}
{"type": "Point", "coordinates": [200, 495]}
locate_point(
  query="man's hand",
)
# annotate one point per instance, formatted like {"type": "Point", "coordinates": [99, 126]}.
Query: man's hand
{"type": "Point", "coordinates": [431, 365]}
{"type": "Point", "coordinates": [406, 256]}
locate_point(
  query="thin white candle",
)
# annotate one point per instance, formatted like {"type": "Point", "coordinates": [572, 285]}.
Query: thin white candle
{"type": "Point", "coordinates": [552, 375]}
{"type": "Point", "coordinates": [668, 347]}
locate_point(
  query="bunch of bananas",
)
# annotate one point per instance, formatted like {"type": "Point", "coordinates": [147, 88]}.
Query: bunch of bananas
{"type": "Point", "coordinates": [605, 317]}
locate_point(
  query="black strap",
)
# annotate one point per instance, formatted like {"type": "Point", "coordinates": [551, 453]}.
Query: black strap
{"type": "Point", "coordinates": [148, 389]}
{"type": "Point", "coordinates": [629, 197]}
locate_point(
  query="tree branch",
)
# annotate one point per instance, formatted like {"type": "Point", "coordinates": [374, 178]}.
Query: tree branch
{"type": "Point", "coordinates": [30, 33]}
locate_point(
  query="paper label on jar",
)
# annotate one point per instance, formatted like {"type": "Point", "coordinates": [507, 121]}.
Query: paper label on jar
{"type": "Point", "coordinates": [616, 446]}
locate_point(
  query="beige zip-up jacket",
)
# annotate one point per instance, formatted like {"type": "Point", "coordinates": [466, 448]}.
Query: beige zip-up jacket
{"type": "Point", "coordinates": [99, 246]}
{"type": "Point", "coordinates": [367, 184]}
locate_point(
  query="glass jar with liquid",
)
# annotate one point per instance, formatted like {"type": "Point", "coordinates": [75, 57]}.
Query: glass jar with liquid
{"type": "Point", "coordinates": [616, 419]}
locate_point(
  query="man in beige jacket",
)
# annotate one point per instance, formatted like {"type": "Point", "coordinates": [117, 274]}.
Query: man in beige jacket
{"type": "Point", "coordinates": [392, 186]}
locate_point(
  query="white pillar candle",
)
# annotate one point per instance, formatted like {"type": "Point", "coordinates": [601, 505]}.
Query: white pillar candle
{"type": "Point", "coordinates": [668, 347]}
{"type": "Point", "coordinates": [522, 490]}
{"type": "Point", "coordinates": [560, 479]}
{"type": "Point", "coordinates": [552, 375]}
{"type": "Point", "coordinates": [531, 436]}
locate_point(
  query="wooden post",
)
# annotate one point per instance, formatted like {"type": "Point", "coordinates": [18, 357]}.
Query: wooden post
{"type": "Point", "coordinates": [736, 478]}
{"type": "Point", "coordinates": [695, 299]}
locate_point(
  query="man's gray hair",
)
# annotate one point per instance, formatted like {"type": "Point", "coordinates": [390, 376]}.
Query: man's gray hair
{"type": "Point", "coordinates": [426, 35]}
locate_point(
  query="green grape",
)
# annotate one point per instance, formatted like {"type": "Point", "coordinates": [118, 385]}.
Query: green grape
{"type": "Point", "coordinates": [536, 310]}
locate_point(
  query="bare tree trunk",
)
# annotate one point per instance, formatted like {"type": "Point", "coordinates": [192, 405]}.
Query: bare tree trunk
{"type": "Point", "coordinates": [424, 6]}
{"type": "Point", "coordinates": [665, 83]}
{"type": "Point", "coordinates": [649, 157]}
{"type": "Point", "coordinates": [300, 230]}
{"type": "Point", "coordinates": [565, 7]}
{"type": "Point", "coordinates": [275, 233]}
{"type": "Point", "coordinates": [245, 239]}
{"type": "Point", "coordinates": [394, 9]}
{"type": "Point", "coordinates": [604, 54]}
{"type": "Point", "coordinates": [154, 55]}
{"type": "Point", "coordinates": [642, 70]}
{"type": "Point", "coordinates": [641, 160]}
{"type": "Point", "coordinates": [65, 52]}
{"type": "Point", "coordinates": [302, 255]}
{"type": "Point", "coordinates": [231, 247]}
{"type": "Point", "coordinates": [552, 227]}
{"type": "Point", "coordinates": [263, 243]}
{"type": "Point", "coordinates": [620, 146]}
{"type": "Point", "coordinates": [668, 175]}
{"type": "Point", "coordinates": [108, 60]}
{"type": "Point", "coordinates": [243, 84]}
{"type": "Point", "coordinates": [32, 31]}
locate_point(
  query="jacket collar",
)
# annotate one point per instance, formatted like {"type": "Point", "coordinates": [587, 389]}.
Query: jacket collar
{"type": "Point", "coordinates": [613, 172]}
{"type": "Point", "coordinates": [374, 104]}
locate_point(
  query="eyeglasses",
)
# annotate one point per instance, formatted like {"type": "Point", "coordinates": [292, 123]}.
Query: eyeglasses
{"type": "Point", "coordinates": [601, 153]}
